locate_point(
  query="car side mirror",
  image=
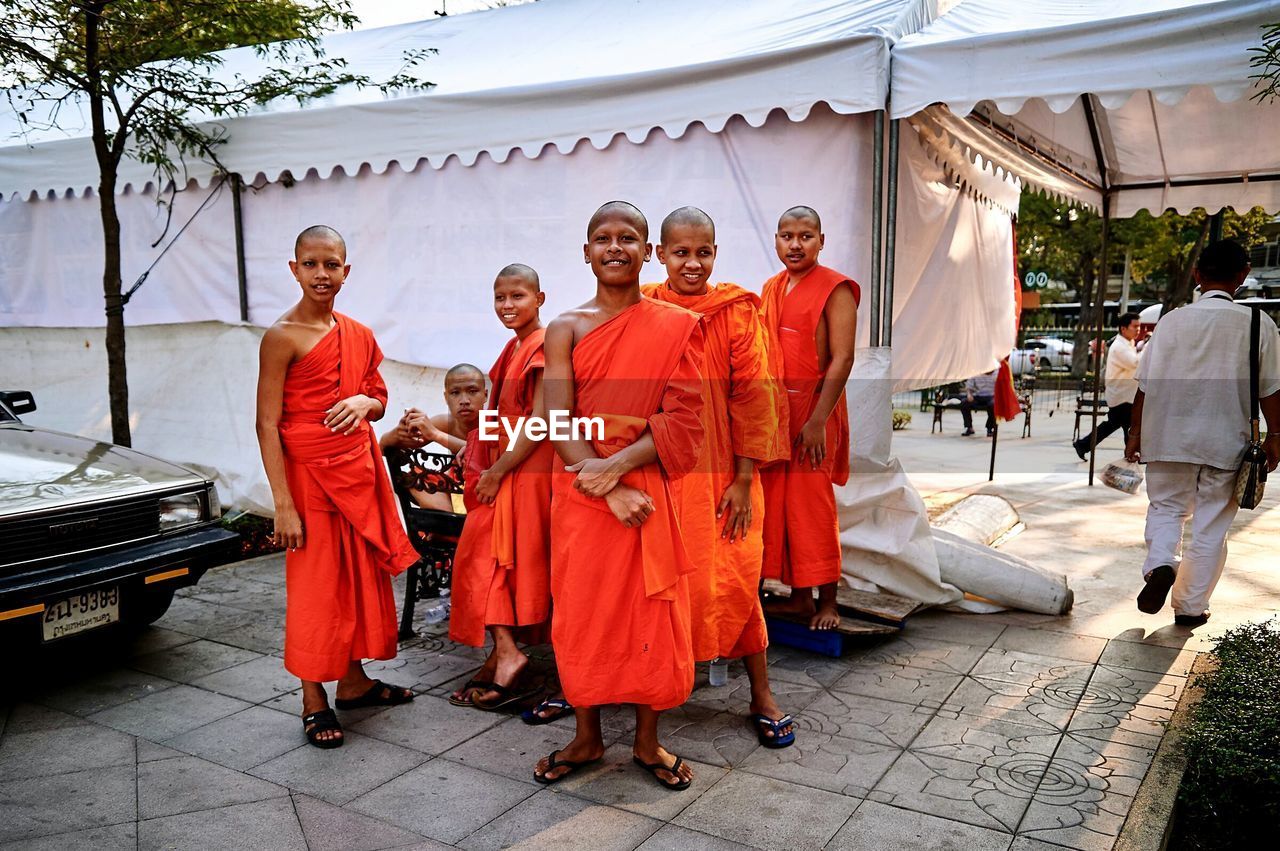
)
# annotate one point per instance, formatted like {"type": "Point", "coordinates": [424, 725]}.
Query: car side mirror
{"type": "Point", "coordinates": [19, 401]}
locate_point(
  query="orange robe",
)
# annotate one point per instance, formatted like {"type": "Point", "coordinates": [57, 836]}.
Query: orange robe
{"type": "Point", "coordinates": [502, 568]}
{"type": "Point", "coordinates": [741, 418]}
{"type": "Point", "coordinates": [338, 584]}
{"type": "Point", "coordinates": [620, 623]}
{"type": "Point", "coordinates": [801, 530]}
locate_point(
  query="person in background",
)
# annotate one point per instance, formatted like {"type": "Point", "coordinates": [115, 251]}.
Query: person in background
{"type": "Point", "coordinates": [1122, 384]}
{"type": "Point", "coordinates": [979, 392]}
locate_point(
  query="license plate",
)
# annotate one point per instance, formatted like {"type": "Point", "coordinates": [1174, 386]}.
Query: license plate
{"type": "Point", "coordinates": [81, 612]}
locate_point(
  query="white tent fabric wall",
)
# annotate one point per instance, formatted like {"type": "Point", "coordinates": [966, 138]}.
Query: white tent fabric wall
{"type": "Point", "coordinates": [424, 246]}
{"type": "Point", "coordinates": [1170, 82]}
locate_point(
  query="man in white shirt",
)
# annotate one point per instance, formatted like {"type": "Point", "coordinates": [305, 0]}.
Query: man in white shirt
{"type": "Point", "coordinates": [1122, 384]}
{"type": "Point", "coordinates": [1191, 427]}
{"type": "Point", "coordinates": [979, 392]}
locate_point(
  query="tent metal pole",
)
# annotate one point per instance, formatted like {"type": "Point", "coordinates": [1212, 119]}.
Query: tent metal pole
{"type": "Point", "coordinates": [891, 235]}
{"type": "Point", "coordinates": [1095, 136]}
{"type": "Point", "coordinates": [1097, 340]}
{"type": "Point", "coordinates": [877, 221]}
{"type": "Point", "coordinates": [237, 187]}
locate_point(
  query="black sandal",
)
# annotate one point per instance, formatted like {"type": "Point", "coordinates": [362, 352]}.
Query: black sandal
{"type": "Point", "coordinates": [553, 764]}
{"type": "Point", "coordinates": [471, 686]}
{"type": "Point", "coordinates": [322, 722]}
{"type": "Point", "coordinates": [395, 695]}
{"type": "Point", "coordinates": [653, 768]}
{"type": "Point", "coordinates": [507, 695]}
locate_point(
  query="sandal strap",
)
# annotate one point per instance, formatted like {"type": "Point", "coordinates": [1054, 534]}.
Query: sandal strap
{"type": "Point", "coordinates": [552, 703]}
{"type": "Point", "coordinates": [323, 719]}
{"type": "Point", "coordinates": [776, 726]}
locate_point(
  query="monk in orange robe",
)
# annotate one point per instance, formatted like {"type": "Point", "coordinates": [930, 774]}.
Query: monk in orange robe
{"type": "Point", "coordinates": [619, 571]}
{"type": "Point", "coordinates": [722, 502]}
{"type": "Point", "coordinates": [810, 314]}
{"type": "Point", "coordinates": [318, 390]}
{"type": "Point", "coordinates": [502, 569]}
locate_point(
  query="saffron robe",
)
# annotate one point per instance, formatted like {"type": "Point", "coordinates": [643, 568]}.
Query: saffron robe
{"type": "Point", "coordinates": [801, 529]}
{"type": "Point", "coordinates": [502, 567]}
{"type": "Point", "coordinates": [620, 623]}
{"type": "Point", "coordinates": [741, 418]}
{"type": "Point", "coordinates": [339, 605]}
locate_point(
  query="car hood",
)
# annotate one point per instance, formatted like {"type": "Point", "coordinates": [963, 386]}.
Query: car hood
{"type": "Point", "coordinates": [41, 468]}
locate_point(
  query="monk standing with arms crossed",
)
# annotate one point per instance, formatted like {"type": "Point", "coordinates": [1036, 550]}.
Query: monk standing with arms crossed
{"type": "Point", "coordinates": [318, 389]}
{"type": "Point", "coordinates": [502, 569]}
{"type": "Point", "coordinates": [811, 315]}
{"type": "Point", "coordinates": [620, 624]}
{"type": "Point", "coordinates": [722, 502]}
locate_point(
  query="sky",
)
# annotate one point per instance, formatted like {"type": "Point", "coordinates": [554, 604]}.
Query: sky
{"type": "Point", "coordinates": [382, 13]}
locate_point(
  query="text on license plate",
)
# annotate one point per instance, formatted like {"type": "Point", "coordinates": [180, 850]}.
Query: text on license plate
{"type": "Point", "coordinates": [80, 612]}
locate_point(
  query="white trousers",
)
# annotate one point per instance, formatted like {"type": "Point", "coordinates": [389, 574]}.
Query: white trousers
{"type": "Point", "coordinates": [1206, 495]}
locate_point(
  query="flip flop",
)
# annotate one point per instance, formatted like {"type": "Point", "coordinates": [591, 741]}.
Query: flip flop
{"type": "Point", "coordinates": [322, 722]}
{"type": "Point", "coordinates": [553, 764]}
{"type": "Point", "coordinates": [534, 718]}
{"type": "Point", "coordinates": [395, 696]}
{"type": "Point", "coordinates": [507, 695]}
{"type": "Point", "coordinates": [472, 685]}
{"type": "Point", "coordinates": [654, 767]}
{"type": "Point", "coordinates": [778, 739]}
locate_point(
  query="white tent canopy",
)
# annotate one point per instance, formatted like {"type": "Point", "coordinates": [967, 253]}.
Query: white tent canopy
{"type": "Point", "coordinates": [553, 72]}
{"type": "Point", "coordinates": [1165, 84]}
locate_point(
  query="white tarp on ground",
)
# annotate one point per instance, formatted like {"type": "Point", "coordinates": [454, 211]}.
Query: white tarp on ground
{"type": "Point", "coordinates": [547, 73]}
{"type": "Point", "coordinates": [1170, 78]}
{"type": "Point", "coordinates": [425, 245]}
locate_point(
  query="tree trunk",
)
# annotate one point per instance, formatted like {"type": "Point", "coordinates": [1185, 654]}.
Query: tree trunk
{"type": "Point", "coordinates": [108, 156]}
{"type": "Point", "coordinates": [117, 368]}
{"type": "Point", "coordinates": [1084, 327]}
{"type": "Point", "coordinates": [1178, 291]}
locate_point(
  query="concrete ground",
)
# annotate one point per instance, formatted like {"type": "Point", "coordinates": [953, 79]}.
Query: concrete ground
{"type": "Point", "coordinates": [1007, 731]}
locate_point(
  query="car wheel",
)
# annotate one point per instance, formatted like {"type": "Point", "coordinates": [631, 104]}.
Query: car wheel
{"type": "Point", "coordinates": [1044, 365]}
{"type": "Point", "coordinates": [150, 607]}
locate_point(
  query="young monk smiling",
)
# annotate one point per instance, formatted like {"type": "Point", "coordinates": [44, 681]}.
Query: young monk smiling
{"type": "Point", "coordinates": [620, 624]}
{"type": "Point", "coordinates": [318, 390]}
{"type": "Point", "coordinates": [502, 570]}
{"type": "Point", "coordinates": [722, 502]}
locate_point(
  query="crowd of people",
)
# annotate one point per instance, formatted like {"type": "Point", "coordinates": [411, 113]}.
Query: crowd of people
{"type": "Point", "coordinates": [637, 551]}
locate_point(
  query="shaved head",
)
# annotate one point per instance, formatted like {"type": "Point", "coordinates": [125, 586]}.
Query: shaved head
{"type": "Point", "coordinates": [523, 272]}
{"type": "Point", "coordinates": [686, 217]}
{"type": "Point", "coordinates": [463, 370]}
{"type": "Point", "coordinates": [620, 209]}
{"type": "Point", "coordinates": [802, 212]}
{"type": "Point", "coordinates": [320, 233]}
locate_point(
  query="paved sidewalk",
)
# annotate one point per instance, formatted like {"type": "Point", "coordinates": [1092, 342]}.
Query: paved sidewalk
{"type": "Point", "coordinates": [1009, 731]}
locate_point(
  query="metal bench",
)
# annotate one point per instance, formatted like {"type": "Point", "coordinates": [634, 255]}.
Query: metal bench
{"type": "Point", "coordinates": [434, 533]}
{"type": "Point", "coordinates": [1085, 404]}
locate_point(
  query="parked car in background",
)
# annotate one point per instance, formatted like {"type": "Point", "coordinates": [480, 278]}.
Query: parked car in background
{"type": "Point", "coordinates": [1041, 354]}
{"type": "Point", "coordinates": [95, 536]}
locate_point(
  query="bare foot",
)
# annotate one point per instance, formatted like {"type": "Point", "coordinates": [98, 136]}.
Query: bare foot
{"type": "Point", "coordinates": [800, 604]}
{"type": "Point", "coordinates": [661, 755]}
{"type": "Point", "coordinates": [575, 752]}
{"type": "Point", "coordinates": [484, 675]}
{"type": "Point", "coordinates": [507, 672]}
{"type": "Point", "coordinates": [825, 618]}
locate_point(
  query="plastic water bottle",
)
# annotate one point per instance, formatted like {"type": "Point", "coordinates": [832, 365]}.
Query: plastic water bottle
{"type": "Point", "coordinates": [439, 613]}
{"type": "Point", "coordinates": [718, 674]}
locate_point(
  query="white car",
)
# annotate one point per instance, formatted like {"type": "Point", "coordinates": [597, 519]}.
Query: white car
{"type": "Point", "coordinates": [1041, 354]}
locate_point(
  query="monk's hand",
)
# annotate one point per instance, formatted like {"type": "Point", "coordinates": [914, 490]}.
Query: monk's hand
{"type": "Point", "coordinates": [813, 442]}
{"type": "Point", "coordinates": [596, 476]}
{"type": "Point", "coordinates": [735, 509]}
{"type": "Point", "coordinates": [1133, 447]}
{"type": "Point", "coordinates": [487, 485]}
{"type": "Point", "coordinates": [288, 528]}
{"type": "Point", "coordinates": [346, 416]}
{"type": "Point", "coordinates": [631, 506]}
